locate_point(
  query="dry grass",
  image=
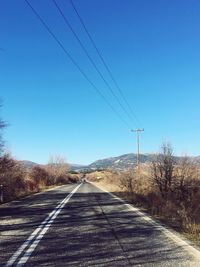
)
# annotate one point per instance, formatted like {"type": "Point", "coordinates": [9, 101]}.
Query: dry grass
{"type": "Point", "coordinates": [105, 179]}
{"type": "Point", "coordinates": [182, 214]}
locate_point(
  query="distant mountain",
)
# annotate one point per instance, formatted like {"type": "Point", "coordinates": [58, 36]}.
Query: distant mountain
{"type": "Point", "coordinates": [76, 167]}
{"type": "Point", "coordinates": [28, 164]}
{"type": "Point", "coordinates": [196, 159]}
{"type": "Point", "coordinates": [129, 160]}
{"type": "Point", "coordinates": [120, 162]}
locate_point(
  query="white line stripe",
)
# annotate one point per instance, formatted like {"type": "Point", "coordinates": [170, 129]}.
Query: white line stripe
{"type": "Point", "coordinates": [27, 242]}
{"type": "Point", "coordinates": [38, 234]}
{"type": "Point", "coordinates": [31, 237]}
{"type": "Point", "coordinates": [182, 243]}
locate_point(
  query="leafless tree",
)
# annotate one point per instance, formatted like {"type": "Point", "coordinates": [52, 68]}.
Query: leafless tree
{"type": "Point", "coordinates": [185, 171]}
{"type": "Point", "coordinates": [126, 180]}
{"type": "Point", "coordinates": [57, 167]}
{"type": "Point", "coordinates": [162, 168]}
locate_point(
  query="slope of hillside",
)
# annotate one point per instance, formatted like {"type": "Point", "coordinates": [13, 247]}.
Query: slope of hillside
{"type": "Point", "coordinates": [27, 164]}
{"type": "Point", "coordinates": [30, 164]}
{"type": "Point", "coordinates": [121, 162]}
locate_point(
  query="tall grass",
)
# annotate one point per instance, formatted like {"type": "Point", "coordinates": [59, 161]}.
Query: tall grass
{"type": "Point", "coordinates": [179, 207]}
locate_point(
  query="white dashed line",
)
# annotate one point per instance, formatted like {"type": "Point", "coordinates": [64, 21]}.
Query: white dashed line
{"type": "Point", "coordinates": [33, 240]}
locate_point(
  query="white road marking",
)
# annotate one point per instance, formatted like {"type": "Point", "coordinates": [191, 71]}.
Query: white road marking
{"type": "Point", "coordinates": [38, 234]}
{"type": "Point", "coordinates": [179, 241]}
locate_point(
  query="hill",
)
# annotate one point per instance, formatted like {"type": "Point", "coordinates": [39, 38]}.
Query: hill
{"type": "Point", "coordinates": [27, 164]}
{"type": "Point", "coordinates": [30, 164]}
{"type": "Point", "coordinates": [121, 162]}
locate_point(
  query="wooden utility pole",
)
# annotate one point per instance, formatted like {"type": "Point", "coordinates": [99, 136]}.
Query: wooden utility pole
{"type": "Point", "coordinates": [137, 131]}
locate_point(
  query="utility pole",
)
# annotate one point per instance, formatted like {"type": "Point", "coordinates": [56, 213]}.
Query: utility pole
{"type": "Point", "coordinates": [138, 131]}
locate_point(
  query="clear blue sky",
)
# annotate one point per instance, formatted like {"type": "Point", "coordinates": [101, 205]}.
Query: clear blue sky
{"type": "Point", "coordinates": [153, 50]}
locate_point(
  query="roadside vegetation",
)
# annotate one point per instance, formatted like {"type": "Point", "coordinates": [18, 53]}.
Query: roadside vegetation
{"type": "Point", "coordinates": [17, 181]}
{"type": "Point", "coordinates": [169, 189]}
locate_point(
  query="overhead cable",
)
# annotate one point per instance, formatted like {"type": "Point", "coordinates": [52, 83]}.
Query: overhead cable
{"type": "Point", "coordinates": [104, 63]}
{"type": "Point", "coordinates": [75, 63]}
{"type": "Point", "coordinates": [91, 60]}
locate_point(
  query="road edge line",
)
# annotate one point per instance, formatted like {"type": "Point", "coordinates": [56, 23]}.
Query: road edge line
{"type": "Point", "coordinates": [182, 242]}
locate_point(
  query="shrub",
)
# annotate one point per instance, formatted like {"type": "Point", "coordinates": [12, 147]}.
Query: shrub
{"type": "Point", "coordinates": [18, 182]}
{"type": "Point", "coordinates": [40, 176]}
{"type": "Point", "coordinates": [57, 169]}
{"type": "Point", "coordinates": [13, 178]}
{"type": "Point", "coordinates": [73, 178]}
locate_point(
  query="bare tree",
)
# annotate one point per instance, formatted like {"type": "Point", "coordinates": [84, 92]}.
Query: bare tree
{"type": "Point", "coordinates": [162, 169]}
{"type": "Point", "coordinates": [126, 180]}
{"type": "Point", "coordinates": [57, 167]}
{"type": "Point", "coordinates": [186, 171]}
{"type": "Point", "coordinates": [6, 163]}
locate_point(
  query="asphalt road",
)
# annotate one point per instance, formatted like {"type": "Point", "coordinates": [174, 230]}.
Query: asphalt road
{"type": "Point", "coordinates": [87, 227]}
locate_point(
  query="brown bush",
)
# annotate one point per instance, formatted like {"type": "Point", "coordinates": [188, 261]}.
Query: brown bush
{"type": "Point", "coordinates": [169, 189]}
{"type": "Point", "coordinates": [62, 180]}
{"type": "Point", "coordinates": [40, 176]}
{"type": "Point", "coordinates": [162, 169]}
{"type": "Point", "coordinates": [12, 177]}
{"type": "Point", "coordinates": [32, 185]}
{"type": "Point", "coordinates": [19, 182]}
{"type": "Point", "coordinates": [73, 178]}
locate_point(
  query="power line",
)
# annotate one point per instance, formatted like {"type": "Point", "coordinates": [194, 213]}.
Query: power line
{"type": "Point", "coordinates": [75, 63]}
{"type": "Point", "coordinates": [104, 62]}
{"type": "Point", "coordinates": [90, 58]}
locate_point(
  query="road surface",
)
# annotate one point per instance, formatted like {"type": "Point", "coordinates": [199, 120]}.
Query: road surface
{"type": "Point", "coordinates": [81, 225]}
